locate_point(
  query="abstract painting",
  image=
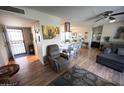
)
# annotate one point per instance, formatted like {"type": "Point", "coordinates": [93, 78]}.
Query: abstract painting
{"type": "Point", "coordinates": [50, 32]}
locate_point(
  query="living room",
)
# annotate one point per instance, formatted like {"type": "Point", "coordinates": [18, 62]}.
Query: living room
{"type": "Point", "coordinates": [81, 33]}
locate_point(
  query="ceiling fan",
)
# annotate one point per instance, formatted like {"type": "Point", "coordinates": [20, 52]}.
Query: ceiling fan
{"type": "Point", "coordinates": [109, 15]}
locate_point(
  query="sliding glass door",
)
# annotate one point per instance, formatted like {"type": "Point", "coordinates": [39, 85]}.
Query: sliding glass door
{"type": "Point", "coordinates": [16, 41]}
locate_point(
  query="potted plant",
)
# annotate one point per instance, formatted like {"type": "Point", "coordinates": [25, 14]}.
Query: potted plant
{"type": "Point", "coordinates": [106, 38]}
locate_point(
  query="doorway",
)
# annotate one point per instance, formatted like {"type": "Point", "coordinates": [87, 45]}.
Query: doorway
{"type": "Point", "coordinates": [16, 41]}
{"type": "Point", "coordinates": [20, 38]}
{"type": "Point", "coordinates": [96, 37]}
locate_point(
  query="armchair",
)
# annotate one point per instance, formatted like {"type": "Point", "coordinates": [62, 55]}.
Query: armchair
{"type": "Point", "coordinates": [57, 60]}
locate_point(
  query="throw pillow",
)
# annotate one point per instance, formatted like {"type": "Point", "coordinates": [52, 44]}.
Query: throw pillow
{"type": "Point", "coordinates": [121, 51]}
{"type": "Point", "coordinates": [107, 50]}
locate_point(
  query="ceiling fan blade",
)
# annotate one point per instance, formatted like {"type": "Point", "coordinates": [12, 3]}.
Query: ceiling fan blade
{"type": "Point", "coordinates": [99, 19]}
{"type": "Point", "coordinates": [95, 17]}
{"type": "Point", "coordinates": [121, 13]}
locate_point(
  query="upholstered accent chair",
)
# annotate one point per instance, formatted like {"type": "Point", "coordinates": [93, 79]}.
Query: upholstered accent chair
{"type": "Point", "coordinates": [58, 61]}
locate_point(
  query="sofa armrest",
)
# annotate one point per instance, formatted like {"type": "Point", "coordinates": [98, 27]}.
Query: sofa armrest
{"type": "Point", "coordinates": [54, 63]}
{"type": "Point", "coordinates": [52, 59]}
{"type": "Point", "coordinates": [64, 56]}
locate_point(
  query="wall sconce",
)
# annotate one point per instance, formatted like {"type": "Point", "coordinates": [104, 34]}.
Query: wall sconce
{"type": "Point", "coordinates": [67, 27]}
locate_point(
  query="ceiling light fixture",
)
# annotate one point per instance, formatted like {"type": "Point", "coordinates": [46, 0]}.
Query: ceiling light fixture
{"type": "Point", "coordinates": [112, 20]}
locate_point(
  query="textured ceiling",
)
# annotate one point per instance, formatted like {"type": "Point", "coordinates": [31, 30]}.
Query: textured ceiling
{"type": "Point", "coordinates": [77, 13]}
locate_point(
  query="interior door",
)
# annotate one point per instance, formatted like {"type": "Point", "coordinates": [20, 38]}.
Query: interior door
{"type": "Point", "coordinates": [16, 41]}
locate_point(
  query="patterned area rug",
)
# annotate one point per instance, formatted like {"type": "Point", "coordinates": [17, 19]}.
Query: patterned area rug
{"type": "Point", "coordinates": [80, 77]}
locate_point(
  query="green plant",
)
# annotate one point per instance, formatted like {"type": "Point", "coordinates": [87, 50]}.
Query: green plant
{"type": "Point", "coordinates": [106, 38]}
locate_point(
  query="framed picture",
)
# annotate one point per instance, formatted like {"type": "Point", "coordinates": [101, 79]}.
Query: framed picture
{"type": "Point", "coordinates": [50, 32]}
{"type": "Point", "coordinates": [74, 35]}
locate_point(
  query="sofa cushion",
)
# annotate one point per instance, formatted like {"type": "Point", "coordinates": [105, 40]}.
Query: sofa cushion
{"type": "Point", "coordinates": [115, 57]}
{"type": "Point", "coordinates": [114, 64]}
{"type": "Point", "coordinates": [63, 63]}
{"type": "Point", "coordinates": [107, 50]}
{"type": "Point", "coordinates": [61, 60]}
{"type": "Point", "coordinates": [121, 51]}
{"type": "Point", "coordinates": [116, 46]}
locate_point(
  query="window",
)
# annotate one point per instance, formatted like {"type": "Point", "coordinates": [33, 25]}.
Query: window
{"type": "Point", "coordinates": [16, 41]}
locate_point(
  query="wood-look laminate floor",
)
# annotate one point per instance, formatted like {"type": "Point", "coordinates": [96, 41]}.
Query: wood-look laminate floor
{"type": "Point", "coordinates": [32, 72]}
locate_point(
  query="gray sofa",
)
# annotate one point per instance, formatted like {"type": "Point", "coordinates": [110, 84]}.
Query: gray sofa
{"type": "Point", "coordinates": [112, 59]}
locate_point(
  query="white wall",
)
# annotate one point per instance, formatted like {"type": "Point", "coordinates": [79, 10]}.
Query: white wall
{"type": "Point", "coordinates": [1, 60]}
{"type": "Point", "coordinates": [110, 30]}
{"type": "Point", "coordinates": [83, 29]}
{"type": "Point", "coordinates": [3, 51]}
{"type": "Point", "coordinates": [44, 19]}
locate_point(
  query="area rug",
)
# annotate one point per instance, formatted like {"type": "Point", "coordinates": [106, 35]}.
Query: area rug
{"type": "Point", "coordinates": [77, 76]}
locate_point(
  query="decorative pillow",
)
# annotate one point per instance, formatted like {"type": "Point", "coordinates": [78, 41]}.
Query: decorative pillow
{"type": "Point", "coordinates": [121, 51]}
{"type": "Point", "coordinates": [107, 50]}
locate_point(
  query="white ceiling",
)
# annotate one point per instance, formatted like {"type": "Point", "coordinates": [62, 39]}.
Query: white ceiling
{"type": "Point", "coordinates": [78, 14]}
